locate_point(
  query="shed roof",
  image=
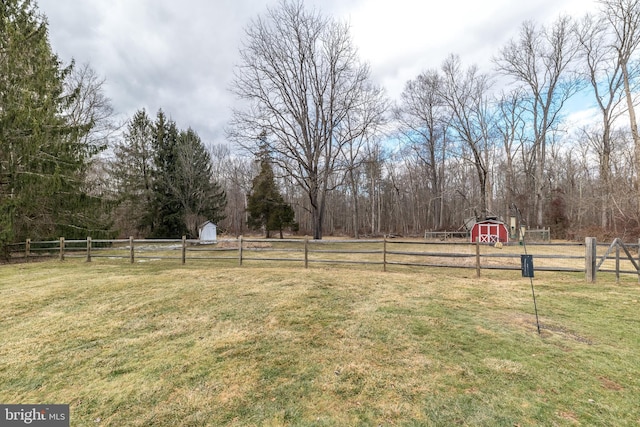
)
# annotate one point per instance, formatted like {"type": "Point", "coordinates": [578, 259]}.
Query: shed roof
{"type": "Point", "coordinates": [490, 221]}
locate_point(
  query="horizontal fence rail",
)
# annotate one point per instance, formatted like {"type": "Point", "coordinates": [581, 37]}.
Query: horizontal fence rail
{"type": "Point", "coordinates": [386, 252]}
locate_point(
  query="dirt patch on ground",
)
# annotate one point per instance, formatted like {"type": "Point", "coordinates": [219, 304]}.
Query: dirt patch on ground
{"type": "Point", "coordinates": [570, 416]}
{"type": "Point", "coordinates": [565, 333]}
{"type": "Point", "coordinates": [609, 384]}
{"type": "Point", "coordinates": [547, 330]}
{"type": "Point", "coordinates": [234, 244]}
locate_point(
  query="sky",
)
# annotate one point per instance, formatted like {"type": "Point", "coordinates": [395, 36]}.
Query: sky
{"type": "Point", "coordinates": [180, 55]}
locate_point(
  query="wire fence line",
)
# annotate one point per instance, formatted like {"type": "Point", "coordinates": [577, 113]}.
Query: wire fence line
{"type": "Point", "coordinates": [537, 235]}
{"type": "Point", "coordinates": [587, 258]}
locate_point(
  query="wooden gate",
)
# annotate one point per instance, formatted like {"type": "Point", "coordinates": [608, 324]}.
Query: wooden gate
{"type": "Point", "coordinates": [616, 245]}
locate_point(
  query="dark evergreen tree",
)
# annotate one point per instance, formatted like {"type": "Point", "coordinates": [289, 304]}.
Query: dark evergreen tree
{"type": "Point", "coordinates": [43, 155]}
{"type": "Point", "coordinates": [266, 206]}
{"type": "Point", "coordinates": [193, 185]}
{"type": "Point", "coordinates": [131, 171]}
{"type": "Point", "coordinates": [165, 218]}
{"type": "Point", "coordinates": [184, 193]}
{"type": "Point", "coordinates": [282, 217]}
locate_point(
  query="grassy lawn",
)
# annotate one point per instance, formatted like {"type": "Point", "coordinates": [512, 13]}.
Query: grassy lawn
{"type": "Point", "coordinates": [160, 344]}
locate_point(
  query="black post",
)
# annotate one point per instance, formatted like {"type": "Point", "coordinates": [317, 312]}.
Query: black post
{"type": "Point", "coordinates": [526, 259]}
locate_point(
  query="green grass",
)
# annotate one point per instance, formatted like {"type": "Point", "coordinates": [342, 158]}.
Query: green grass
{"type": "Point", "coordinates": [161, 344]}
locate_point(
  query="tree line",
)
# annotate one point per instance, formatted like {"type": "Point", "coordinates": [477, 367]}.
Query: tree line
{"type": "Point", "coordinates": [162, 180]}
{"type": "Point", "coordinates": [329, 152]}
{"type": "Point", "coordinates": [460, 142]}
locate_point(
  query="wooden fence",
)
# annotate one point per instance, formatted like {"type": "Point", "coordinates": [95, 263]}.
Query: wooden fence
{"type": "Point", "coordinates": [537, 235]}
{"type": "Point", "coordinates": [588, 258]}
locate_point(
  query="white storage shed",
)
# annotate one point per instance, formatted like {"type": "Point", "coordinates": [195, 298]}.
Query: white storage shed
{"type": "Point", "coordinates": [207, 232]}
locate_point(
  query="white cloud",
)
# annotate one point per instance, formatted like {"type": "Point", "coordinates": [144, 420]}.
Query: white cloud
{"type": "Point", "coordinates": [180, 56]}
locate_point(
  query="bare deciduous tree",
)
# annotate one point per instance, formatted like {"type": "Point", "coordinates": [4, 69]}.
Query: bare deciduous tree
{"type": "Point", "coordinates": [90, 110]}
{"type": "Point", "coordinates": [624, 19]}
{"type": "Point", "coordinates": [539, 61]}
{"type": "Point", "coordinates": [422, 116]}
{"type": "Point", "coordinates": [465, 92]}
{"type": "Point", "coordinates": [510, 126]}
{"type": "Point", "coordinates": [301, 77]}
{"type": "Point", "coordinates": [603, 70]}
{"type": "Point", "coordinates": [357, 131]}
{"type": "Point", "coordinates": [234, 173]}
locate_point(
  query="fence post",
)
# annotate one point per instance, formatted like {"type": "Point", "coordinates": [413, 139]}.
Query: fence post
{"type": "Point", "coordinates": [638, 260]}
{"type": "Point", "coordinates": [27, 248]}
{"type": "Point", "coordinates": [240, 250]}
{"type": "Point", "coordinates": [590, 259]}
{"type": "Point", "coordinates": [88, 249]}
{"type": "Point", "coordinates": [478, 256]}
{"type": "Point", "coordinates": [62, 249]}
{"type": "Point", "coordinates": [384, 254]}
{"type": "Point", "coordinates": [131, 253]}
{"type": "Point", "coordinates": [618, 263]}
{"type": "Point", "coordinates": [306, 251]}
{"type": "Point", "coordinates": [184, 249]}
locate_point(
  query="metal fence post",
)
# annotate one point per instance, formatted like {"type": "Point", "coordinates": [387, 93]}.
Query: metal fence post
{"type": "Point", "coordinates": [590, 259]}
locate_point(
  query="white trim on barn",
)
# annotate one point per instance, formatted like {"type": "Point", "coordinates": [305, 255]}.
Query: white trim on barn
{"type": "Point", "coordinates": [489, 231]}
{"type": "Point", "coordinates": [207, 232]}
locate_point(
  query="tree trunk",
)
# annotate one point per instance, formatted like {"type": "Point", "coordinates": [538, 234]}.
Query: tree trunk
{"type": "Point", "coordinates": [539, 183]}
{"type": "Point", "coordinates": [483, 193]}
{"type": "Point", "coordinates": [605, 176]}
{"type": "Point", "coordinates": [356, 207]}
{"type": "Point", "coordinates": [441, 185]}
{"type": "Point", "coordinates": [316, 215]}
{"type": "Point", "coordinates": [634, 129]}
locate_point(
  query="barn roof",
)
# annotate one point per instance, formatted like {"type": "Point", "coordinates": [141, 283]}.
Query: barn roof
{"type": "Point", "coordinates": [491, 221]}
{"type": "Point", "coordinates": [469, 223]}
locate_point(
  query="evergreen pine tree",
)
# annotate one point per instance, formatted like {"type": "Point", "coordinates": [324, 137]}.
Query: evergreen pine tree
{"type": "Point", "coordinates": [165, 217]}
{"type": "Point", "coordinates": [266, 206]}
{"type": "Point", "coordinates": [43, 158]}
{"type": "Point", "coordinates": [131, 171]}
{"type": "Point", "coordinates": [200, 196]}
{"type": "Point", "coordinates": [184, 191]}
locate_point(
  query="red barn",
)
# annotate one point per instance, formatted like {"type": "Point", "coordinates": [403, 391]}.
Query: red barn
{"type": "Point", "coordinates": [490, 231]}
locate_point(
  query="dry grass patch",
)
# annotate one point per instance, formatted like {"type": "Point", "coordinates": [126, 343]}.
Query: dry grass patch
{"type": "Point", "coordinates": [163, 344]}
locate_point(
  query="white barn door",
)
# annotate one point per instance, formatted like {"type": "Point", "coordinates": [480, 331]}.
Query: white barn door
{"type": "Point", "coordinates": [488, 233]}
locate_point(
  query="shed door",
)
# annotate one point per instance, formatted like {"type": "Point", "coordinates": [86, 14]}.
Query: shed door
{"type": "Point", "coordinates": [488, 233]}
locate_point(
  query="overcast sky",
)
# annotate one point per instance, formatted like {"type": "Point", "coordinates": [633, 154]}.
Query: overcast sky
{"type": "Point", "coordinates": [179, 55]}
